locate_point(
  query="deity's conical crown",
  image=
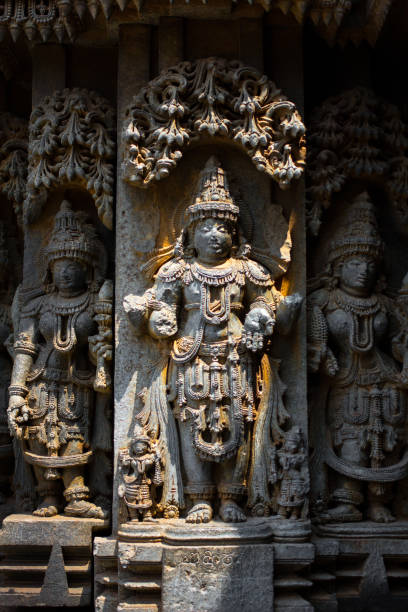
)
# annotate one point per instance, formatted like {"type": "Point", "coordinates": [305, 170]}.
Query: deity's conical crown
{"type": "Point", "coordinates": [213, 198]}
{"type": "Point", "coordinates": [358, 234]}
{"type": "Point", "coordinates": [72, 237]}
{"type": "Point", "coordinates": [140, 434]}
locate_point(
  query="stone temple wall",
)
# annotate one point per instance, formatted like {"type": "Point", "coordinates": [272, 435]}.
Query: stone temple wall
{"type": "Point", "coordinates": [203, 305]}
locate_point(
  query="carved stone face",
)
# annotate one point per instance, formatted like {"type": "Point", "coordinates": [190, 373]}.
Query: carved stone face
{"type": "Point", "coordinates": [212, 240]}
{"type": "Point", "coordinates": [358, 273]}
{"type": "Point", "coordinates": [68, 275]}
{"type": "Point", "coordinates": [140, 447]}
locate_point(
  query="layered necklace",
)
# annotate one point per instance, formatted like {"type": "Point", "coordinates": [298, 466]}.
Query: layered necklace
{"type": "Point", "coordinates": [363, 311]}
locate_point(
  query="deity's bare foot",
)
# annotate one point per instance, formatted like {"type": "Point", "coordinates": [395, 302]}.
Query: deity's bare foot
{"type": "Point", "coordinates": [201, 512]}
{"type": "Point", "coordinates": [48, 507]}
{"type": "Point", "coordinates": [84, 509]}
{"type": "Point", "coordinates": [230, 512]}
{"type": "Point", "coordinates": [379, 513]}
{"type": "Point", "coordinates": [346, 513]}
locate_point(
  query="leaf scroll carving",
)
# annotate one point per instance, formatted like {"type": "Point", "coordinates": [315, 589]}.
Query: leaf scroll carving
{"type": "Point", "coordinates": [13, 160]}
{"type": "Point", "coordinates": [217, 98]}
{"type": "Point", "coordinates": [356, 136]}
{"type": "Point", "coordinates": [71, 143]}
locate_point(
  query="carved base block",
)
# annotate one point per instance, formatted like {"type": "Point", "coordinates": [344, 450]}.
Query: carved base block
{"type": "Point", "coordinates": [364, 572]}
{"type": "Point", "coordinates": [46, 561]}
{"type": "Point", "coordinates": [174, 566]}
{"type": "Point", "coordinates": [364, 529]}
{"type": "Point", "coordinates": [178, 532]}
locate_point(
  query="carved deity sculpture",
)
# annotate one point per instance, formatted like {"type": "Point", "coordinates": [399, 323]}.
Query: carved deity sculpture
{"type": "Point", "coordinates": [219, 307]}
{"type": "Point", "coordinates": [355, 342]}
{"type": "Point", "coordinates": [140, 468]}
{"type": "Point", "coordinates": [58, 345]}
{"type": "Point", "coordinates": [6, 450]}
{"type": "Point", "coordinates": [294, 488]}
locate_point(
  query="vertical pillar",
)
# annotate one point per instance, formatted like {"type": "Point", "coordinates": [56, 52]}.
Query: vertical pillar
{"type": "Point", "coordinates": [49, 71]}
{"type": "Point", "coordinates": [131, 230]}
{"type": "Point", "coordinates": [250, 42]}
{"type": "Point", "coordinates": [48, 75]}
{"type": "Point", "coordinates": [284, 65]}
{"type": "Point", "coordinates": [171, 42]}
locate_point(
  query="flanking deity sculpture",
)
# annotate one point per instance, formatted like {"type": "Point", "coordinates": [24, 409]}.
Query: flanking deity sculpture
{"type": "Point", "coordinates": [357, 341]}
{"type": "Point", "coordinates": [54, 380]}
{"type": "Point", "coordinates": [218, 382]}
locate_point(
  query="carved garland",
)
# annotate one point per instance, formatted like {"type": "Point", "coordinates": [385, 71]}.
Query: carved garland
{"type": "Point", "coordinates": [70, 143]}
{"type": "Point", "coordinates": [212, 97]}
{"type": "Point", "coordinates": [355, 136]}
{"type": "Point", "coordinates": [13, 160]}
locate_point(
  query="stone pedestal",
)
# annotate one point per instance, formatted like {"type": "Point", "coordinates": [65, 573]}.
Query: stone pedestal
{"type": "Point", "coordinates": [46, 561]}
{"type": "Point", "coordinates": [173, 566]}
{"type": "Point", "coordinates": [360, 566]}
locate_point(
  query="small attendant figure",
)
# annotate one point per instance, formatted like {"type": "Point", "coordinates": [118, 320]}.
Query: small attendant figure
{"type": "Point", "coordinates": [140, 468]}
{"type": "Point", "coordinates": [294, 487]}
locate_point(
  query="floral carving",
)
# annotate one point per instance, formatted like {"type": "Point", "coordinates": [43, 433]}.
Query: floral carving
{"type": "Point", "coordinates": [215, 97]}
{"type": "Point", "coordinates": [13, 159]}
{"type": "Point", "coordinates": [354, 136]}
{"type": "Point", "coordinates": [70, 143]}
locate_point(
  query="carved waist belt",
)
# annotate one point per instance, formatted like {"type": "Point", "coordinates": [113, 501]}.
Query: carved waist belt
{"type": "Point", "coordinates": [208, 349]}
{"type": "Point", "coordinates": [196, 306]}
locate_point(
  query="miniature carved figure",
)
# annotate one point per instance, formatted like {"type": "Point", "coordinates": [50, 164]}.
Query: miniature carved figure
{"type": "Point", "coordinates": [220, 307]}
{"type": "Point", "coordinates": [140, 469]}
{"type": "Point", "coordinates": [57, 348]}
{"type": "Point", "coordinates": [6, 449]}
{"type": "Point", "coordinates": [355, 341]}
{"type": "Point", "coordinates": [294, 487]}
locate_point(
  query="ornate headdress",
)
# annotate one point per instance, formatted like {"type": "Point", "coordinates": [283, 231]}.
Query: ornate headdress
{"type": "Point", "coordinates": [72, 237]}
{"type": "Point", "coordinates": [140, 434]}
{"type": "Point", "coordinates": [213, 198]}
{"type": "Point", "coordinates": [358, 234]}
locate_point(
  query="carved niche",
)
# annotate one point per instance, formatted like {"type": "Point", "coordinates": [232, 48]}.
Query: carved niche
{"type": "Point", "coordinates": [60, 379]}
{"type": "Point", "coordinates": [360, 137]}
{"type": "Point", "coordinates": [212, 404]}
{"type": "Point", "coordinates": [357, 341]}
{"type": "Point", "coordinates": [13, 172]}
{"type": "Point", "coordinates": [70, 144]}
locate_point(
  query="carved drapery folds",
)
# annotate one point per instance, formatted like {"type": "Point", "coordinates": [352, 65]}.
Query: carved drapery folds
{"type": "Point", "coordinates": [212, 97]}
{"type": "Point", "coordinates": [70, 143]}
{"type": "Point", "coordinates": [356, 136]}
{"type": "Point", "coordinates": [13, 160]}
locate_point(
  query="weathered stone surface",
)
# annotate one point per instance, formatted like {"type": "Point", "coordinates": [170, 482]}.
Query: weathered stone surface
{"type": "Point", "coordinates": [219, 577]}
{"type": "Point", "coordinates": [46, 561]}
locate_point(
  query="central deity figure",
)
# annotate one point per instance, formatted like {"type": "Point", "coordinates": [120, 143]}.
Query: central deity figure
{"type": "Point", "coordinates": [220, 307]}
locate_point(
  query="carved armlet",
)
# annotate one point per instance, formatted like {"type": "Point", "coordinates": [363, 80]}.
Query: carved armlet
{"type": "Point", "coordinates": [25, 346]}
